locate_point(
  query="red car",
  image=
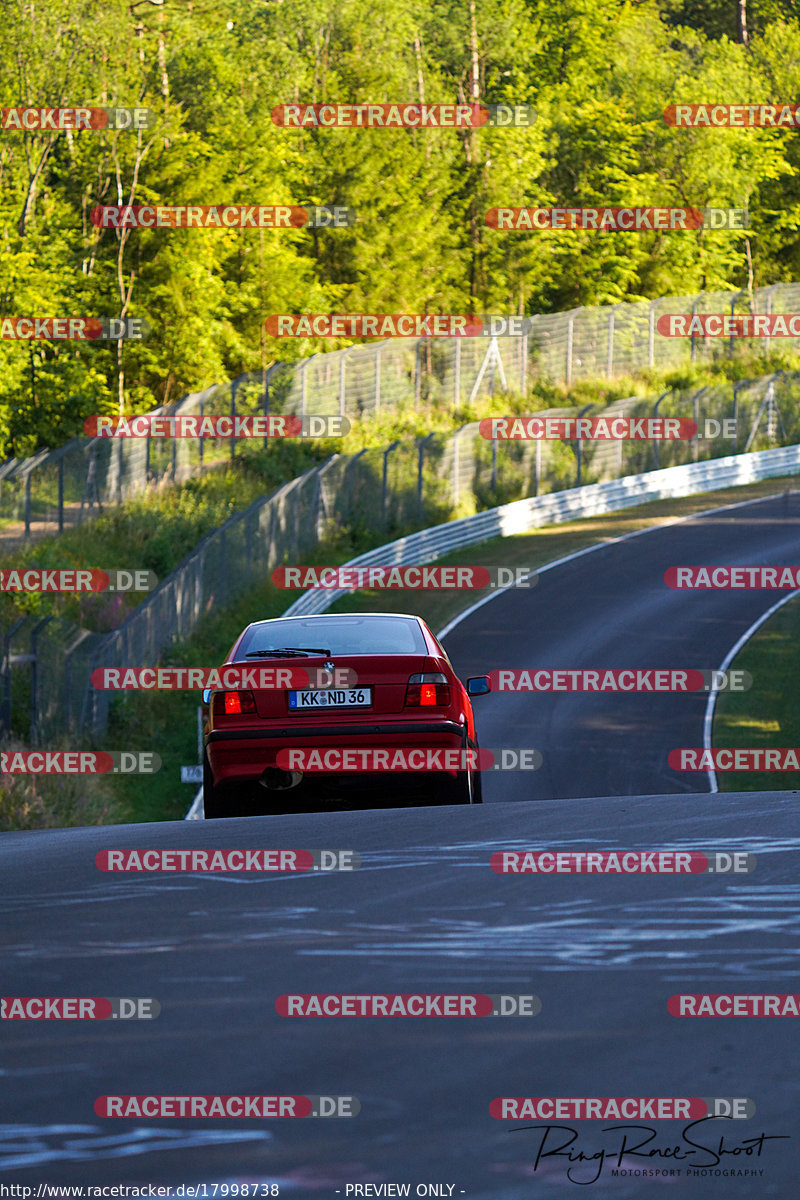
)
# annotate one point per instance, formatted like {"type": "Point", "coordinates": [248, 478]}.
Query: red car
{"type": "Point", "coordinates": [402, 693]}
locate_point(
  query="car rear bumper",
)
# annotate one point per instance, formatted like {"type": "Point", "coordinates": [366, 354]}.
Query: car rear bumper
{"type": "Point", "coordinates": [242, 755]}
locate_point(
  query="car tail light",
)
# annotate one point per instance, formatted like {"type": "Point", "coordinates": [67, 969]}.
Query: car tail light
{"type": "Point", "coordinates": [431, 690]}
{"type": "Point", "coordinates": [237, 702]}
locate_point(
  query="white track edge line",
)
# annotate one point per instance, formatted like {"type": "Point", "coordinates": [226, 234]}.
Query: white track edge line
{"type": "Point", "coordinates": [708, 719]}
{"type": "Point", "coordinates": [558, 562]}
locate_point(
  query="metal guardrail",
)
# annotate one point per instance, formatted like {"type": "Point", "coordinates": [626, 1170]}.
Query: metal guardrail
{"type": "Point", "coordinates": [554, 509]}
{"type": "Point", "coordinates": [378, 492]}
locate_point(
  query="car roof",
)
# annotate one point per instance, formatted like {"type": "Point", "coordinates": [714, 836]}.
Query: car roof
{"type": "Point", "coordinates": [338, 616]}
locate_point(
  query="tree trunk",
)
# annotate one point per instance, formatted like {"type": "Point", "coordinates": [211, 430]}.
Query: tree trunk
{"type": "Point", "coordinates": [741, 20]}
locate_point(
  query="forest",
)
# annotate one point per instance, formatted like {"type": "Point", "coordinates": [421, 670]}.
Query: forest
{"type": "Point", "coordinates": [214, 78]}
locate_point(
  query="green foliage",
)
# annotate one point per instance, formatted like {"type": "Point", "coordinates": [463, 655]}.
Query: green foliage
{"type": "Point", "coordinates": [599, 72]}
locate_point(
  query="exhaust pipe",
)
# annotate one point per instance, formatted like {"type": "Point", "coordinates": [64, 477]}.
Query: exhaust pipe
{"type": "Point", "coordinates": [274, 779]}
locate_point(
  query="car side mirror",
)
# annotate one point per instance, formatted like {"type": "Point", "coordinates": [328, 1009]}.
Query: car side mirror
{"type": "Point", "coordinates": [479, 685]}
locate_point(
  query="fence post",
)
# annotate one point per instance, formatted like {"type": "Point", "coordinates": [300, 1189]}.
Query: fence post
{"type": "Point", "coordinates": [663, 396]}
{"type": "Point", "coordinates": [385, 482]}
{"type": "Point", "coordinates": [28, 504]}
{"type": "Point", "coordinates": [579, 452]}
{"type": "Point", "coordinates": [768, 311]}
{"type": "Point", "coordinates": [420, 457]}
{"type": "Point", "coordinates": [537, 466]}
{"type": "Point", "coordinates": [34, 658]}
{"type": "Point", "coordinates": [342, 365]}
{"type": "Point", "coordinates": [570, 337]}
{"type": "Point", "coordinates": [417, 373]}
{"type": "Point", "coordinates": [8, 659]}
{"type": "Point", "coordinates": [303, 369]}
{"type": "Point", "coordinates": [523, 369]}
{"type": "Point", "coordinates": [457, 375]}
{"type": "Point", "coordinates": [234, 389]}
{"type": "Point", "coordinates": [377, 379]}
{"type": "Point", "coordinates": [61, 494]}
{"type": "Point", "coordinates": [651, 334]}
{"type": "Point", "coordinates": [223, 556]}
{"type": "Point", "coordinates": [265, 409]}
{"type": "Point", "coordinates": [610, 354]}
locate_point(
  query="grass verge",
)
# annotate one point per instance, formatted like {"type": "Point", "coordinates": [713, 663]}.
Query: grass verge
{"type": "Point", "coordinates": [768, 714]}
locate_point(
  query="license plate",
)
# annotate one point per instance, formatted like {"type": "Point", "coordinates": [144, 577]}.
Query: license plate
{"type": "Point", "coordinates": [307, 701]}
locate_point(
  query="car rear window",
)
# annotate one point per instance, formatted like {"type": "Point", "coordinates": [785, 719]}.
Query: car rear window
{"type": "Point", "coordinates": [341, 635]}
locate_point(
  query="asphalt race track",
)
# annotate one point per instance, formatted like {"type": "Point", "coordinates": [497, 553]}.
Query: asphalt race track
{"type": "Point", "coordinates": [611, 608]}
{"type": "Point", "coordinates": [425, 913]}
